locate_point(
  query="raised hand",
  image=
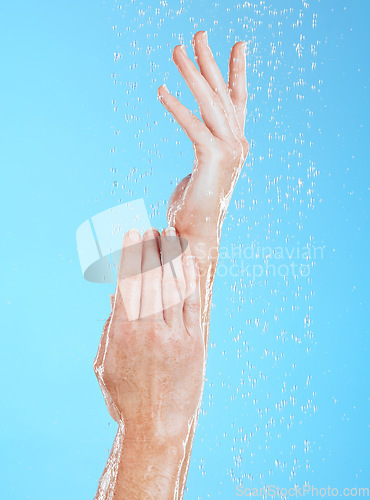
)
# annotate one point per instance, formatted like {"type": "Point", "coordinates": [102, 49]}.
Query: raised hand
{"type": "Point", "coordinates": [199, 202]}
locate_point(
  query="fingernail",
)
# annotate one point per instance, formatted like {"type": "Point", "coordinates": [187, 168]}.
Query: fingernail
{"type": "Point", "coordinates": [170, 232]}
{"type": "Point", "coordinates": [205, 37]}
{"type": "Point", "coordinates": [134, 235]}
{"type": "Point", "coordinates": [152, 232]}
{"type": "Point", "coordinates": [182, 47]}
{"type": "Point", "coordinates": [165, 88]}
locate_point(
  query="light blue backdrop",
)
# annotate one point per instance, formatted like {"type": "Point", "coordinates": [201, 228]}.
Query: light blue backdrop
{"type": "Point", "coordinates": [286, 397]}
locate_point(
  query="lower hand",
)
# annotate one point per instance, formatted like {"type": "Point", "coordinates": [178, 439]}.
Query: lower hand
{"type": "Point", "coordinates": [150, 362]}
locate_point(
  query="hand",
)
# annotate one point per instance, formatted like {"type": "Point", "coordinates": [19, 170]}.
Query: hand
{"type": "Point", "coordinates": [199, 203]}
{"type": "Point", "coordinates": [150, 362]}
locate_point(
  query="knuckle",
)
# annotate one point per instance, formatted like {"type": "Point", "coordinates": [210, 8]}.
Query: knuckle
{"type": "Point", "coordinates": [193, 308]}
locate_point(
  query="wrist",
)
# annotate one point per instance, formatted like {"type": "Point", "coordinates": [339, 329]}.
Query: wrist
{"type": "Point", "coordinates": [155, 436]}
{"type": "Point", "coordinates": [160, 455]}
{"type": "Point", "coordinates": [147, 467]}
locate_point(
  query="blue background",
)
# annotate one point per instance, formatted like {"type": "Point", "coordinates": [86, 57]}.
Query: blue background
{"type": "Point", "coordinates": [286, 398]}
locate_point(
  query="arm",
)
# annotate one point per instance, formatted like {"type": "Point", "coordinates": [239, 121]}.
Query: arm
{"type": "Point", "coordinates": [199, 203]}
{"type": "Point", "coordinates": [141, 468]}
{"type": "Point", "coordinates": [150, 366]}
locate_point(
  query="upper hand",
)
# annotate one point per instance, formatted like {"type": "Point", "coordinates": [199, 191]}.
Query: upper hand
{"type": "Point", "coordinates": [199, 203]}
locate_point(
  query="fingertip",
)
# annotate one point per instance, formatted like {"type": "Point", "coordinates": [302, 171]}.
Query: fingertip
{"type": "Point", "coordinates": [151, 234]}
{"type": "Point", "coordinates": [241, 47]}
{"type": "Point", "coordinates": [170, 233]}
{"type": "Point", "coordinates": [131, 237]}
{"type": "Point", "coordinates": [200, 36]}
{"type": "Point", "coordinates": [162, 91]}
{"type": "Point", "coordinates": [178, 50]}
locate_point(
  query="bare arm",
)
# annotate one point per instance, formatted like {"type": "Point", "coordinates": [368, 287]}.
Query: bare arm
{"type": "Point", "coordinates": [199, 203]}
{"type": "Point", "coordinates": [140, 468]}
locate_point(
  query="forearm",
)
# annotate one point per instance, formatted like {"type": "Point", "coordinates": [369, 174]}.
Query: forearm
{"type": "Point", "coordinates": [190, 438]}
{"type": "Point", "coordinates": [140, 469]}
{"type": "Point", "coordinates": [206, 253]}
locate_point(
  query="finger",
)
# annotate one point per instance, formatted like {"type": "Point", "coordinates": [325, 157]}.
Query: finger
{"type": "Point", "coordinates": [211, 72]}
{"type": "Point", "coordinates": [191, 310]}
{"type": "Point", "coordinates": [191, 125]}
{"type": "Point", "coordinates": [208, 101]}
{"type": "Point", "coordinates": [127, 303]}
{"type": "Point", "coordinates": [151, 269]}
{"type": "Point", "coordinates": [237, 82]}
{"type": "Point", "coordinates": [173, 279]}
